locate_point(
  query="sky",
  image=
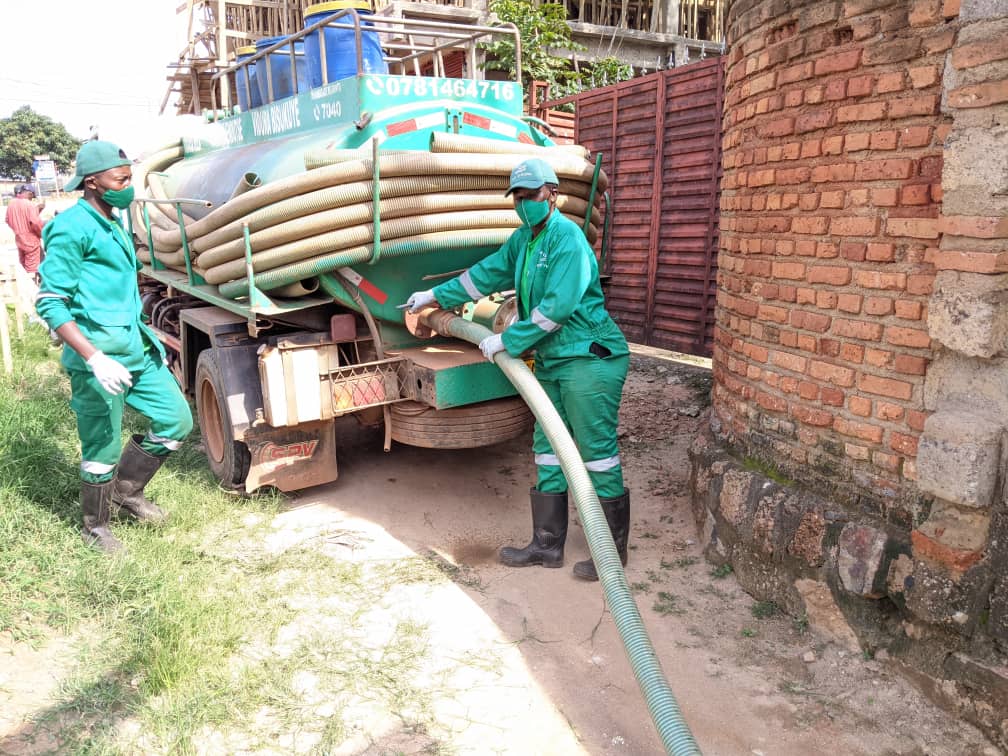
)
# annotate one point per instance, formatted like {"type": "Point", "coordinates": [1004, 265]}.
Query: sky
{"type": "Point", "coordinates": [91, 63]}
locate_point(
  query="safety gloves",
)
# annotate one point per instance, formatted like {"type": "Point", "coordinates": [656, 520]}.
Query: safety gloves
{"type": "Point", "coordinates": [420, 299]}
{"type": "Point", "coordinates": [110, 374]}
{"type": "Point", "coordinates": [491, 345]}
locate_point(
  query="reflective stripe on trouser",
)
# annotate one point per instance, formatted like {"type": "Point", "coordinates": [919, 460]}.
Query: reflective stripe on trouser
{"type": "Point", "coordinates": [586, 392]}
{"type": "Point", "coordinates": [155, 394]}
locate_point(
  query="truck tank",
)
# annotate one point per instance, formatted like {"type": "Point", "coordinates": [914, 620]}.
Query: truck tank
{"type": "Point", "coordinates": [277, 243]}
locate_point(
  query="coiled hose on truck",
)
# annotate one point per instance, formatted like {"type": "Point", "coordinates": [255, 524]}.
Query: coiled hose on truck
{"type": "Point", "coordinates": [313, 221]}
{"type": "Point", "coordinates": [665, 713]}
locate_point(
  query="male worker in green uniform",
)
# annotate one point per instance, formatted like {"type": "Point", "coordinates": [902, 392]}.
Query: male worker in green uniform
{"type": "Point", "coordinates": [581, 357]}
{"type": "Point", "coordinates": [89, 296]}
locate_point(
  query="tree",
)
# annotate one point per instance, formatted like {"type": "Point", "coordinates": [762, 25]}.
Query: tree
{"type": "Point", "coordinates": [26, 134]}
{"type": "Point", "coordinates": [543, 28]}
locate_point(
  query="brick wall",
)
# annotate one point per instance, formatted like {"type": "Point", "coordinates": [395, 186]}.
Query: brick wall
{"type": "Point", "coordinates": [829, 221]}
{"type": "Point", "coordinates": [858, 448]}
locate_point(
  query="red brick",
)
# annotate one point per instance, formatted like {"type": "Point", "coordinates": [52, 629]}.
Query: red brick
{"type": "Point", "coordinates": [808, 390]}
{"type": "Point", "coordinates": [916, 228]}
{"type": "Point", "coordinates": [978, 227]}
{"type": "Point", "coordinates": [795, 73]}
{"type": "Point", "coordinates": [863, 431]}
{"type": "Point", "coordinates": [889, 462]}
{"type": "Point", "coordinates": [919, 105]}
{"type": "Point", "coordinates": [854, 226]}
{"type": "Point", "coordinates": [954, 561]}
{"type": "Point", "coordinates": [835, 374]}
{"type": "Point", "coordinates": [915, 419]}
{"type": "Point", "coordinates": [810, 149]}
{"type": "Point", "coordinates": [826, 300]}
{"type": "Point", "coordinates": [915, 194]}
{"type": "Point", "coordinates": [835, 62]}
{"type": "Point", "coordinates": [884, 140]}
{"type": "Point", "coordinates": [972, 261]}
{"type": "Point", "coordinates": [832, 397]}
{"type": "Point", "coordinates": [849, 303]}
{"type": "Point", "coordinates": [859, 86]}
{"type": "Point", "coordinates": [852, 353]}
{"type": "Point", "coordinates": [829, 347]}
{"type": "Point", "coordinates": [878, 306]}
{"type": "Point", "coordinates": [857, 142]}
{"type": "Point", "coordinates": [832, 145]}
{"type": "Point", "coordinates": [878, 357]}
{"type": "Point", "coordinates": [875, 170]}
{"type": "Point", "coordinates": [772, 314]}
{"type": "Point", "coordinates": [884, 196]}
{"type": "Point", "coordinates": [793, 176]}
{"type": "Point", "coordinates": [831, 200]}
{"type": "Point", "coordinates": [817, 119]}
{"type": "Point", "coordinates": [810, 225]}
{"type": "Point", "coordinates": [908, 310]}
{"type": "Point", "coordinates": [977, 53]}
{"type": "Point", "coordinates": [890, 387]}
{"type": "Point", "coordinates": [979, 95]}
{"type": "Point", "coordinates": [866, 111]}
{"type": "Point", "coordinates": [930, 167]}
{"type": "Point", "coordinates": [925, 12]}
{"type": "Point", "coordinates": [814, 95]}
{"type": "Point", "coordinates": [809, 416]}
{"type": "Point", "coordinates": [770, 402]}
{"type": "Point", "coordinates": [879, 252]}
{"type": "Point", "coordinates": [790, 361]}
{"type": "Point", "coordinates": [789, 270]}
{"type": "Point", "coordinates": [854, 251]}
{"type": "Point", "coordinates": [836, 90]}
{"type": "Point", "coordinates": [920, 283]}
{"type": "Point", "coordinates": [810, 321]}
{"type": "Point", "coordinates": [834, 173]}
{"type": "Point", "coordinates": [778, 127]}
{"type": "Point", "coordinates": [873, 279]}
{"type": "Point", "coordinates": [922, 77]}
{"type": "Point", "coordinates": [890, 82]}
{"type": "Point", "coordinates": [833, 275]}
{"type": "Point", "coordinates": [910, 365]}
{"type": "Point", "coordinates": [889, 412]}
{"type": "Point", "coordinates": [915, 136]}
{"type": "Point", "coordinates": [857, 329]}
{"type": "Point", "coordinates": [824, 250]}
{"type": "Point", "coordinates": [858, 405]}
{"type": "Point", "coordinates": [908, 337]}
{"type": "Point", "coordinates": [806, 343]}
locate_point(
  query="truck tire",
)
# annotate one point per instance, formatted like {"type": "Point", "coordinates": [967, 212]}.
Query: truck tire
{"type": "Point", "coordinates": [465, 427]}
{"type": "Point", "coordinates": [229, 459]}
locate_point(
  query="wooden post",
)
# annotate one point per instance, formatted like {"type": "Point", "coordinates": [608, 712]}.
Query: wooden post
{"type": "Point", "coordinates": [5, 345]}
{"type": "Point", "coordinates": [15, 292]}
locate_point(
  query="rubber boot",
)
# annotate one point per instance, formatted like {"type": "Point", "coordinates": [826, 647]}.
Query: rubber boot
{"type": "Point", "coordinates": [617, 514]}
{"type": "Point", "coordinates": [96, 507]}
{"type": "Point", "coordinates": [136, 468]}
{"type": "Point", "coordinates": [549, 532]}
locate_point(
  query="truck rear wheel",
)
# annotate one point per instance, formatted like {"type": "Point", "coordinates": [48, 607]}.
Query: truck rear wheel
{"type": "Point", "coordinates": [465, 427]}
{"type": "Point", "coordinates": [229, 459]}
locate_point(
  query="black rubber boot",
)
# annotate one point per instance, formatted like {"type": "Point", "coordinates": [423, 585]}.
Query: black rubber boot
{"type": "Point", "coordinates": [136, 468]}
{"type": "Point", "coordinates": [549, 532]}
{"type": "Point", "coordinates": [617, 513]}
{"type": "Point", "coordinates": [96, 507]}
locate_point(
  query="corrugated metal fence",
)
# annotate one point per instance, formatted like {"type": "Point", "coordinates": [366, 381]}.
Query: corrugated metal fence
{"type": "Point", "coordinates": [660, 137]}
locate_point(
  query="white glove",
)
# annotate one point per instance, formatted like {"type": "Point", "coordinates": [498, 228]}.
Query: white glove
{"type": "Point", "coordinates": [110, 374]}
{"type": "Point", "coordinates": [491, 345]}
{"type": "Point", "coordinates": [420, 299]}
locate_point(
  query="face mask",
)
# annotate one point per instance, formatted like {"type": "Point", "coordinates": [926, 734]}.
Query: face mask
{"type": "Point", "coordinates": [119, 198]}
{"type": "Point", "coordinates": [531, 212]}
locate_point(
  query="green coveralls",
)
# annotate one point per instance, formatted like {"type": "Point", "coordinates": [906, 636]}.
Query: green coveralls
{"type": "Point", "coordinates": [89, 276]}
{"type": "Point", "coordinates": [581, 356]}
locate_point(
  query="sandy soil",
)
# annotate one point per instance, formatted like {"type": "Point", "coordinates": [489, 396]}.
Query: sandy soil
{"type": "Point", "coordinates": [529, 661]}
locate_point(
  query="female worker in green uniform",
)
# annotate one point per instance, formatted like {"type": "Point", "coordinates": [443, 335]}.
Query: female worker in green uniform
{"type": "Point", "coordinates": [89, 296]}
{"type": "Point", "coordinates": [581, 357]}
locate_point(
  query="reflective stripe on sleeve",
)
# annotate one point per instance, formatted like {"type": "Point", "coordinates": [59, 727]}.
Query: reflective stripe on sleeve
{"type": "Point", "coordinates": [96, 468]}
{"type": "Point", "coordinates": [543, 322]}
{"type": "Point", "coordinates": [46, 295]}
{"type": "Point", "coordinates": [547, 460]}
{"type": "Point", "coordinates": [601, 465]}
{"type": "Point", "coordinates": [466, 280]}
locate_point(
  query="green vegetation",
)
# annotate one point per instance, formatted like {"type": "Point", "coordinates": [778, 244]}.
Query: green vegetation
{"type": "Point", "coordinates": [763, 609]}
{"type": "Point", "coordinates": [25, 134]}
{"type": "Point", "coordinates": [721, 572]}
{"type": "Point", "coordinates": [208, 635]}
{"type": "Point", "coordinates": [766, 470]}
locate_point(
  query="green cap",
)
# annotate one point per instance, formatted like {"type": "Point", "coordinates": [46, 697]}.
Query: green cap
{"type": "Point", "coordinates": [94, 157]}
{"type": "Point", "coordinates": [531, 174]}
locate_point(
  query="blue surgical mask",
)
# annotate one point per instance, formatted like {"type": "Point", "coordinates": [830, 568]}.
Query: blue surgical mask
{"type": "Point", "coordinates": [532, 212]}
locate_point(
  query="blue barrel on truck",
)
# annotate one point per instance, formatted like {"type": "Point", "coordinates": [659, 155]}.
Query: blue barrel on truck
{"type": "Point", "coordinates": [340, 45]}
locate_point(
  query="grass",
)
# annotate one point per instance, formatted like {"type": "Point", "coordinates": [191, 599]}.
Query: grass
{"type": "Point", "coordinates": [202, 637]}
{"type": "Point", "coordinates": [763, 609]}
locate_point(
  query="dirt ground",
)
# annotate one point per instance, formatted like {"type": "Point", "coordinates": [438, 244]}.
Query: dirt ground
{"type": "Point", "coordinates": [528, 661]}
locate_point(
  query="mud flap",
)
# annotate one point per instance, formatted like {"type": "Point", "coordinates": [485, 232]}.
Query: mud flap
{"type": "Point", "coordinates": [291, 458]}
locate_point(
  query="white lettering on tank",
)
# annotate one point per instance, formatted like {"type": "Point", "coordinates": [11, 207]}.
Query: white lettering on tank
{"type": "Point", "coordinates": [275, 118]}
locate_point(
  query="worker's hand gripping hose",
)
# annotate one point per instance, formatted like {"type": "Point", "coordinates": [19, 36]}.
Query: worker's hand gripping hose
{"type": "Point", "coordinates": [665, 713]}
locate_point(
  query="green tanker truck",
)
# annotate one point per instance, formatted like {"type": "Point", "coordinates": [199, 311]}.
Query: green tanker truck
{"type": "Point", "coordinates": [279, 238]}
